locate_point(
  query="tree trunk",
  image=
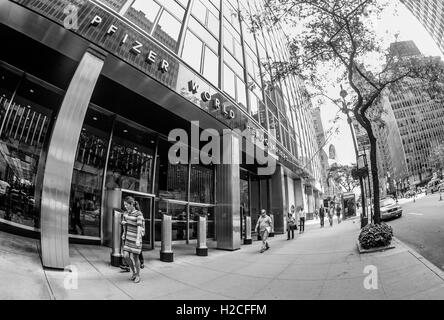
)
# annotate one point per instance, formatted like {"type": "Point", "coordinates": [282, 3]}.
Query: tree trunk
{"type": "Point", "coordinates": [375, 179]}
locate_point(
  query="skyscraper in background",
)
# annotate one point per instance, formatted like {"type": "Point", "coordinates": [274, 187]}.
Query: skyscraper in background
{"type": "Point", "coordinates": [431, 14]}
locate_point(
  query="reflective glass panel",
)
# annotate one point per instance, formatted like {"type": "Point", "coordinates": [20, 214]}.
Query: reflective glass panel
{"type": "Point", "coordinates": [143, 13]}
{"type": "Point", "coordinates": [87, 179]}
{"type": "Point", "coordinates": [167, 30]}
{"type": "Point", "coordinates": [26, 124]}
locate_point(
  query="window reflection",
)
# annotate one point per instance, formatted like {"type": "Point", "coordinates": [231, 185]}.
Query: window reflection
{"type": "Point", "coordinates": [143, 13]}
{"type": "Point", "coordinates": [195, 213]}
{"type": "Point", "coordinates": [202, 184]}
{"type": "Point", "coordinates": [26, 123]}
{"type": "Point", "coordinates": [173, 178]}
{"type": "Point", "coordinates": [87, 180]}
{"type": "Point", "coordinates": [168, 30]}
{"type": "Point", "coordinates": [131, 157]}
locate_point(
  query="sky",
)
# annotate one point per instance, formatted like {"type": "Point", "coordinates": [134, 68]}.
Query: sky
{"type": "Point", "coordinates": [396, 19]}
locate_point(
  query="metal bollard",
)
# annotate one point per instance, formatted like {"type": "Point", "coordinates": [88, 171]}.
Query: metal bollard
{"type": "Point", "coordinates": [271, 235]}
{"type": "Point", "coordinates": [116, 253]}
{"type": "Point", "coordinates": [166, 251]}
{"type": "Point", "coordinates": [202, 249]}
{"type": "Point", "coordinates": [248, 240]}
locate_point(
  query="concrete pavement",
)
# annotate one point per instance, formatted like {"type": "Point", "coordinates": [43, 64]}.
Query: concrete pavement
{"type": "Point", "coordinates": [320, 264]}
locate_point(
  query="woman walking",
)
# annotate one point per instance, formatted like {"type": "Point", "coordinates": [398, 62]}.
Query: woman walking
{"type": "Point", "coordinates": [133, 224]}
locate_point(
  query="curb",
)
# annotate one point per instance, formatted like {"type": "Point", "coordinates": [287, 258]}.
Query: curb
{"type": "Point", "coordinates": [423, 260]}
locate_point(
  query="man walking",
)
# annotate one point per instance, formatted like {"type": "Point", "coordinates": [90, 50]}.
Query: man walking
{"type": "Point", "coordinates": [302, 216]}
{"type": "Point", "coordinates": [264, 225]}
{"type": "Point", "coordinates": [322, 215]}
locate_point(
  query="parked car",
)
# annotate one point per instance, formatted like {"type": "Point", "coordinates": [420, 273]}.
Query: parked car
{"type": "Point", "coordinates": [433, 186]}
{"type": "Point", "coordinates": [390, 209]}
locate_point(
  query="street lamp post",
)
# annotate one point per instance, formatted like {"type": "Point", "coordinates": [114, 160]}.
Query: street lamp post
{"type": "Point", "coordinates": [364, 218]}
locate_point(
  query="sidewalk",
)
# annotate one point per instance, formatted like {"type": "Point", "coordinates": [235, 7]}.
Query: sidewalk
{"type": "Point", "coordinates": [320, 264]}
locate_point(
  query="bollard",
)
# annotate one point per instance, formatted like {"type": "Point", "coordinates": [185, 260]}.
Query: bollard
{"type": "Point", "coordinates": [202, 249]}
{"type": "Point", "coordinates": [166, 251]}
{"type": "Point", "coordinates": [248, 240]}
{"type": "Point", "coordinates": [116, 253]}
{"type": "Point", "coordinates": [271, 235]}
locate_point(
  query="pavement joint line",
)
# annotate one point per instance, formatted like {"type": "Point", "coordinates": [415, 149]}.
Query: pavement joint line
{"type": "Point", "coordinates": [420, 292]}
{"type": "Point", "coordinates": [438, 272]}
{"type": "Point", "coordinates": [189, 285]}
{"type": "Point", "coordinates": [48, 285]}
{"type": "Point", "coordinates": [102, 275]}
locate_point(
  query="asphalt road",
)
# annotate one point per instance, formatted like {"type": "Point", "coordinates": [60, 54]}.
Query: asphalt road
{"type": "Point", "coordinates": [422, 228]}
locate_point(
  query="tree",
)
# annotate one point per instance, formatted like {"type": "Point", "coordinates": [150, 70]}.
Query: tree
{"type": "Point", "coordinates": [337, 39]}
{"type": "Point", "coordinates": [436, 160]}
{"type": "Point", "coordinates": [343, 176]}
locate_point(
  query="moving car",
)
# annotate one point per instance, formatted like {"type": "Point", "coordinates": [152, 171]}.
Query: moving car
{"type": "Point", "coordinates": [390, 209]}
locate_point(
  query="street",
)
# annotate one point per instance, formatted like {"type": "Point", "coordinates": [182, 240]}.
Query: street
{"type": "Point", "coordinates": [422, 228]}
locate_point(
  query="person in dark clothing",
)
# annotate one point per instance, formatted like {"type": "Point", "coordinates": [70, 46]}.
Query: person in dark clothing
{"type": "Point", "coordinates": [322, 215]}
{"type": "Point", "coordinates": [338, 213]}
{"type": "Point", "coordinates": [291, 221]}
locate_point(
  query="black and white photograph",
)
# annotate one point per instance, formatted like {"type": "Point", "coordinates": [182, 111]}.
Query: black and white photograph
{"type": "Point", "coordinates": [222, 155]}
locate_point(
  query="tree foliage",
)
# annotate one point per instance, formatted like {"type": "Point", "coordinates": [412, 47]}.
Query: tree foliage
{"type": "Point", "coordinates": [344, 176]}
{"type": "Point", "coordinates": [335, 42]}
{"type": "Point", "coordinates": [436, 160]}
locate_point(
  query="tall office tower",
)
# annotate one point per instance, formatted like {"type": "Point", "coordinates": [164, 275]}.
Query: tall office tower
{"type": "Point", "coordinates": [431, 14]}
{"type": "Point", "coordinates": [413, 126]}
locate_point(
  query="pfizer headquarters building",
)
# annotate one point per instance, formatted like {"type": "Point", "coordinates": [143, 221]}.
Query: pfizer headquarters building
{"type": "Point", "coordinates": [97, 97]}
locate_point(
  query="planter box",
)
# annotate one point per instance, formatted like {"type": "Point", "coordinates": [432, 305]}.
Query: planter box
{"type": "Point", "coordinates": [380, 249]}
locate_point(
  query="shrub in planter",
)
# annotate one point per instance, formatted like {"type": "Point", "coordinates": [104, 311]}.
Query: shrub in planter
{"type": "Point", "coordinates": [376, 236]}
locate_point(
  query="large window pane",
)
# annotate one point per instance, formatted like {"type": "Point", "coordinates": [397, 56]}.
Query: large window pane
{"type": "Point", "coordinates": [195, 213]}
{"type": "Point", "coordinates": [229, 82]}
{"type": "Point", "coordinates": [143, 13]}
{"type": "Point", "coordinates": [87, 180]}
{"type": "Point", "coordinates": [26, 125]}
{"type": "Point", "coordinates": [172, 178]}
{"type": "Point", "coordinates": [211, 67]}
{"type": "Point", "coordinates": [167, 30]}
{"type": "Point", "coordinates": [202, 184]}
{"type": "Point", "coordinates": [131, 157]}
{"type": "Point", "coordinates": [192, 51]}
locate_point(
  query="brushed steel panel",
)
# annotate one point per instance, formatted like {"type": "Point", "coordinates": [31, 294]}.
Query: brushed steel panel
{"type": "Point", "coordinates": [60, 163]}
{"type": "Point", "coordinates": [278, 199]}
{"type": "Point", "coordinates": [228, 224]}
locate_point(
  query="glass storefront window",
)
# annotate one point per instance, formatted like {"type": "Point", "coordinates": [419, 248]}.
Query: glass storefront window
{"type": "Point", "coordinates": [179, 214]}
{"type": "Point", "coordinates": [195, 213]}
{"type": "Point", "coordinates": [130, 163]}
{"type": "Point", "coordinates": [202, 184]}
{"type": "Point", "coordinates": [172, 178]}
{"type": "Point", "coordinates": [26, 124]}
{"type": "Point", "coordinates": [87, 180]}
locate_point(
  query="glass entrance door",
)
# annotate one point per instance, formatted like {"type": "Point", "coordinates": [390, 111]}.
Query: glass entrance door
{"type": "Point", "coordinates": [145, 202]}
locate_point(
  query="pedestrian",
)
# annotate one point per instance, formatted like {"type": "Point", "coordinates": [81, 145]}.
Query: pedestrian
{"type": "Point", "coordinates": [291, 221]}
{"type": "Point", "coordinates": [338, 212]}
{"type": "Point", "coordinates": [302, 216]}
{"type": "Point", "coordinates": [263, 226]}
{"type": "Point", "coordinates": [331, 213]}
{"type": "Point", "coordinates": [132, 237]}
{"type": "Point", "coordinates": [322, 215]}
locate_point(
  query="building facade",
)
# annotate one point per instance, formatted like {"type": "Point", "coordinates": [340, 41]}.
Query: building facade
{"type": "Point", "coordinates": [431, 14]}
{"type": "Point", "coordinates": [89, 107]}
